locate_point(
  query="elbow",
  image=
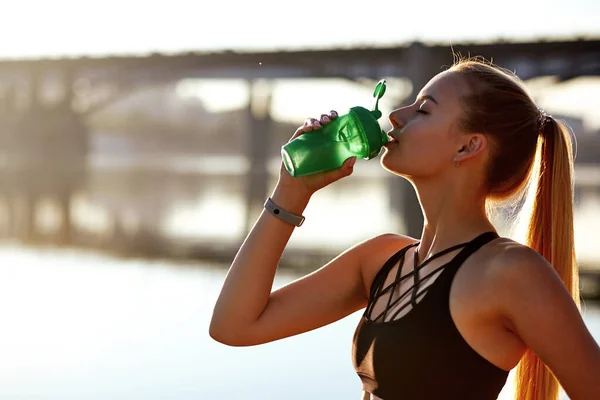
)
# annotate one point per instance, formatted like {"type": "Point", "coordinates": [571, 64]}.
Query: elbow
{"type": "Point", "coordinates": [227, 336]}
{"type": "Point", "coordinates": [218, 334]}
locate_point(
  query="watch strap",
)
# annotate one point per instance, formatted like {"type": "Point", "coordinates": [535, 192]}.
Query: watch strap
{"type": "Point", "coordinates": [282, 214]}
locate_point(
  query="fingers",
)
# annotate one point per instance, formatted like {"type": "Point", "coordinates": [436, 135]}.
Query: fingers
{"type": "Point", "coordinates": [309, 125]}
{"type": "Point", "coordinates": [327, 118]}
{"type": "Point", "coordinates": [312, 124]}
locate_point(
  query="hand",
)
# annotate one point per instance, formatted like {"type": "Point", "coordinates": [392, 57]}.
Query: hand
{"type": "Point", "coordinates": [309, 184]}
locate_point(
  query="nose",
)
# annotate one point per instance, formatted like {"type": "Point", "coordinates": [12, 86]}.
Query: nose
{"type": "Point", "coordinates": [395, 119]}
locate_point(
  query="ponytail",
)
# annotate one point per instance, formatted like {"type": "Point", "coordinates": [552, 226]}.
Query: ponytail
{"type": "Point", "coordinates": [528, 146]}
{"type": "Point", "coordinates": [550, 233]}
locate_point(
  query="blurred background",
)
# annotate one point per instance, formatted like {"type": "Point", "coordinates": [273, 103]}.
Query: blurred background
{"type": "Point", "coordinates": [139, 140]}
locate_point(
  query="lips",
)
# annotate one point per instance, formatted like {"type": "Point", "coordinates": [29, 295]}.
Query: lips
{"type": "Point", "coordinates": [392, 139]}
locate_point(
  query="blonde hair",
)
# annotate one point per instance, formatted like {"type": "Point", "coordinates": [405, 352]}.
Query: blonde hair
{"type": "Point", "coordinates": [529, 150]}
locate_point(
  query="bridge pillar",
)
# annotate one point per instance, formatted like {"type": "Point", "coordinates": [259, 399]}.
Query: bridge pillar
{"type": "Point", "coordinates": [9, 98]}
{"type": "Point", "coordinates": [22, 218]}
{"type": "Point", "coordinates": [6, 207]}
{"type": "Point", "coordinates": [257, 144]}
{"type": "Point", "coordinates": [118, 237]}
{"type": "Point", "coordinates": [422, 66]}
{"type": "Point", "coordinates": [12, 220]}
{"type": "Point", "coordinates": [5, 91]}
{"type": "Point", "coordinates": [34, 89]}
{"type": "Point", "coordinates": [69, 87]}
{"type": "Point", "coordinates": [64, 207]}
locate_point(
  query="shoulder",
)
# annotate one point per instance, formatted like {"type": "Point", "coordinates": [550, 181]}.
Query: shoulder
{"type": "Point", "coordinates": [375, 251]}
{"type": "Point", "coordinates": [390, 238]}
{"type": "Point", "coordinates": [537, 307]}
{"type": "Point", "coordinates": [510, 262]}
{"type": "Point", "coordinates": [520, 280]}
{"type": "Point", "coordinates": [374, 246]}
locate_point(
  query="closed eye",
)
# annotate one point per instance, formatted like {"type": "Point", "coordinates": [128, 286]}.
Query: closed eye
{"type": "Point", "coordinates": [422, 112]}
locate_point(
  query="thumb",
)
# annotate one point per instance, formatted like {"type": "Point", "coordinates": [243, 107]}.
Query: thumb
{"type": "Point", "coordinates": [348, 165]}
{"type": "Point", "coordinates": [345, 170]}
{"type": "Point", "coordinates": [337, 174]}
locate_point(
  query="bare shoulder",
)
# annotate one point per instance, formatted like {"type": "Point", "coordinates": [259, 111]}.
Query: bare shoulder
{"type": "Point", "coordinates": [516, 274]}
{"type": "Point", "coordinates": [537, 307]}
{"type": "Point", "coordinates": [510, 262]}
{"type": "Point", "coordinates": [376, 251]}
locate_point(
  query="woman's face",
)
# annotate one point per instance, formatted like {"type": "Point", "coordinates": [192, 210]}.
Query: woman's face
{"type": "Point", "coordinates": [425, 134]}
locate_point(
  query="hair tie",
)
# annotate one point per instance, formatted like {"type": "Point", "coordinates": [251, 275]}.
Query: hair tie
{"type": "Point", "coordinates": [543, 119]}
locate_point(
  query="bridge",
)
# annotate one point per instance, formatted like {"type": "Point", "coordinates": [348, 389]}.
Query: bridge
{"type": "Point", "coordinates": [44, 103]}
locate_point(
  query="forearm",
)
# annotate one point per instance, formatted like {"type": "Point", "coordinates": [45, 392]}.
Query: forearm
{"type": "Point", "coordinates": [248, 284]}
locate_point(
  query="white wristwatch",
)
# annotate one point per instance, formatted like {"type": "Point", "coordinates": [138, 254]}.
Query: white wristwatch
{"type": "Point", "coordinates": [286, 216]}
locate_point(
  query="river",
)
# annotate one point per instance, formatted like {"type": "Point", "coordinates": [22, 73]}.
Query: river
{"type": "Point", "coordinates": [80, 325]}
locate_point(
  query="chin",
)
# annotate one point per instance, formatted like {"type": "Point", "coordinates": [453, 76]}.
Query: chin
{"type": "Point", "coordinates": [387, 162]}
{"type": "Point", "coordinates": [392, 163]}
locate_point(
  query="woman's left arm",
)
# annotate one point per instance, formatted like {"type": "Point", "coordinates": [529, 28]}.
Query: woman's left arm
{"type": "Point", "coordinates": [542, 313]}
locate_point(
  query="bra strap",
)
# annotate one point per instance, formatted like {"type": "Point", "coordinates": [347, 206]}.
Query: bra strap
{"type": "Point", "coordinates": [471, 248]}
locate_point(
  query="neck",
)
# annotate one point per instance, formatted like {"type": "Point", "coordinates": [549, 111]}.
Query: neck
{"type": "Point", "coordinates": [454, 212]}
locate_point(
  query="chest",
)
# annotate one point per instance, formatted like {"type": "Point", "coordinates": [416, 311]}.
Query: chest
{"type": "Point", "coordinates": [461, 288]}
{"type": "Point", "coordinates": [440, 317]}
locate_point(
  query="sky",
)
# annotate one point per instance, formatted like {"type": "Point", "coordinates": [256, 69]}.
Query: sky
{"type": "Point", "coordinates": [41, 28]}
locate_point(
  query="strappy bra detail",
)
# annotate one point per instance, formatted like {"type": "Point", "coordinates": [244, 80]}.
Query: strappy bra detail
{"type": "Point", "coordinates": [379, 291]}
{"type": "Point", "coordinates": [437, 353]}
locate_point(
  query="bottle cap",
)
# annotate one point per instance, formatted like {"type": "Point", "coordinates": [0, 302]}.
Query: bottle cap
{"type": "Point", "coordinates": [377, 94]}
{"type": "Point", "coordinates": [375, 136]}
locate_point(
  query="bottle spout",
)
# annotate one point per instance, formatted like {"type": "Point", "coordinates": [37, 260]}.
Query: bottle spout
{"type": "Point", "coordinates": [377, 94]}
{"type": "Point", "coordinates": [384, 138]}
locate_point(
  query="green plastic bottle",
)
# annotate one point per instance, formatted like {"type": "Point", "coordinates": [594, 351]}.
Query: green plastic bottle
{"type": "Point", "coordinates": [356, 133]}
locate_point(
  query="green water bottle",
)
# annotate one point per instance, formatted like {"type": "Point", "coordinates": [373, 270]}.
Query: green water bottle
{"type": "Point", "coordinates": [356, 133]}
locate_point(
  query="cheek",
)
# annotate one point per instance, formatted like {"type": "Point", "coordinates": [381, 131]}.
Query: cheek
{"type": "Point", "coordinates": [425, 145]}
{"type": "Point", "coordinates": [418, 152]}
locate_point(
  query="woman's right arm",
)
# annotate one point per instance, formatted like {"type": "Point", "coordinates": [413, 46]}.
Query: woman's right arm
{"type": "Point", "coordinates": [247, 313]}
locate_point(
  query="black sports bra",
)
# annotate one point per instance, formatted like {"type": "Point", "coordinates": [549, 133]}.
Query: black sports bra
{"type": "Point", "coordinates": [420, 354]}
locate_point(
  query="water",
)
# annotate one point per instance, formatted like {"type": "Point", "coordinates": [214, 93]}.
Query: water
{"type": "Point", "coordinates": [202, 199]}
{"type": "Point", "coordinates": [79, 325]}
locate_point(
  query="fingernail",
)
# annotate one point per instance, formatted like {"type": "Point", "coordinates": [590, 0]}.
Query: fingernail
{"type": "Point", "coordinates": [325, 118]}
{"type": "Point", "coordinates": [317, 123]}
{"type": "Point", "coordinates": [334, 114]}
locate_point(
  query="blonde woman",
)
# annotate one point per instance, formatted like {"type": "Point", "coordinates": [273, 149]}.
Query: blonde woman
{"type": "Point", "coordinates": [448, 315]}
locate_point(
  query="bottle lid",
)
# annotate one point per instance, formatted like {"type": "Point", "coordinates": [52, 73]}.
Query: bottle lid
{"type": "Point", "coordinates": [378, 94]}
{"type": "Point", "coordinates": [375, 136]}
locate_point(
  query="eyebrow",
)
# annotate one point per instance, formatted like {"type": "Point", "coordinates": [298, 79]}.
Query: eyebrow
{"type": "Point", "coordinates": [428, 97]}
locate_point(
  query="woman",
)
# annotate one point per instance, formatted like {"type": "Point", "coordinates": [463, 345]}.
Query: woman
{"type": "Point", "coordinates": [448, 315]}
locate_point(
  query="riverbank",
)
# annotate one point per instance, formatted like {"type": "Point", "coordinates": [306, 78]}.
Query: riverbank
{"type": "Point", "coordinates": [221, 253]}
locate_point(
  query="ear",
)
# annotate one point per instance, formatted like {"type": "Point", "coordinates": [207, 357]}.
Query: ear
{"type": "Point", "coordinates": [472, 146]}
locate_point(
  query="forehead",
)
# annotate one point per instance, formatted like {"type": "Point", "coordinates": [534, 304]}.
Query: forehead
{"type": "Point", "coordinates": [446, 87]}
